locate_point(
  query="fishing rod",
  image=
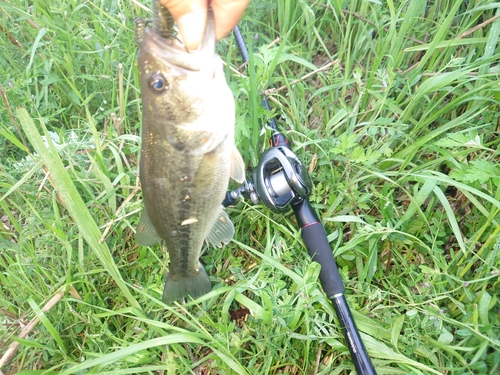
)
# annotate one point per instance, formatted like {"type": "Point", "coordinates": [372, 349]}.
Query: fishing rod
{"type": "Point", "coordinates": [281, 182]}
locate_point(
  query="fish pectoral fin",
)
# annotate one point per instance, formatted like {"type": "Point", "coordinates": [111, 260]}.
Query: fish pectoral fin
{"type": "Point", "coordinates": [146, 234]}
{"type": "Point", "coordinates": [237, 171]}
{"type": "Point", "coordinates": [222, 230]}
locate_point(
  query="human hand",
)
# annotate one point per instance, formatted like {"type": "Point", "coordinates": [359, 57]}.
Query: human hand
{"type": "Point", "coordinates": [191, 17]}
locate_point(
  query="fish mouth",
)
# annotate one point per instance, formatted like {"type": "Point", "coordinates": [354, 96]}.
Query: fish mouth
{"type": "Point", "coordinates": [173, 50]}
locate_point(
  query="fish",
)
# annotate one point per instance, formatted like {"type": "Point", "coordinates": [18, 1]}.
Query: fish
{"type": "Point", "coordinates": [188, 154]}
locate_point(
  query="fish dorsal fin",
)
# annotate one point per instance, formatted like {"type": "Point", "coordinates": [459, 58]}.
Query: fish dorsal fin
{"type": "Point", "coordinates": [237, 172]}
{"type": "Point", "coordinates": [222, 231]}
{"type": "Point", "coordinates": [146, 234]}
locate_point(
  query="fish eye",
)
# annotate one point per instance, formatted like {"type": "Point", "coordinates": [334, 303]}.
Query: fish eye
{"type": "Point", "coordinates": [158, 82]}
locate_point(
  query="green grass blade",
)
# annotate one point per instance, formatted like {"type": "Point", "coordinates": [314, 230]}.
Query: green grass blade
{"type": "Point", "coordinates": [23, 180]}
{"type": "Point", "coordinates": [382, 351]}
{"type": "Point", "coordinates": [74, 203]}
{"type": "Point", "coordinates": [48, 325]}
{"type": "Point", "coordinates": [451, 218]}
{"type": "Point", "coordinates": [174, 338]}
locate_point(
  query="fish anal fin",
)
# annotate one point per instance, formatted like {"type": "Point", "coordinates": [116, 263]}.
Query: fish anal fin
{"type": "Point", "coordinates": [146, 234]}
{"type": "Point", "coordinates": [222, 230]}
{"type": "Point", "coordinates": [237, 171]}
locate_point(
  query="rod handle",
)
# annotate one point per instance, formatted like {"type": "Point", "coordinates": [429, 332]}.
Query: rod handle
{"type": "Point", "coordinates": [318, 247]}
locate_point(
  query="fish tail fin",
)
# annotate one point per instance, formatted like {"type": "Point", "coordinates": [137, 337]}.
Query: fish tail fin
{"type": "Point", "coordinates": [195, 286]}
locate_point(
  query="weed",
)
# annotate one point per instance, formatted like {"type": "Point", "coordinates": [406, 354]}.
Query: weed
{"type": "Point", "coordinates": [400, 135]}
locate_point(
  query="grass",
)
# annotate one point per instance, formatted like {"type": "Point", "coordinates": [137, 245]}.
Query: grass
{"type": "Point", "coordinates": [400, 135]}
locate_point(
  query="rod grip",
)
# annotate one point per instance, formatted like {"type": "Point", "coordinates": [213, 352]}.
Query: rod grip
{"type": "Point", "coordinates": [319, 249]}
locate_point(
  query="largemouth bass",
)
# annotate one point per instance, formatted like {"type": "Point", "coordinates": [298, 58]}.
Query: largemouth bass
{"type": "Point", "coordinates": [187, 154]}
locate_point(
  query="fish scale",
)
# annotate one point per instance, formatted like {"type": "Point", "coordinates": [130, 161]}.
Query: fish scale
{"type": "Point", "coordinates": [187, 154]}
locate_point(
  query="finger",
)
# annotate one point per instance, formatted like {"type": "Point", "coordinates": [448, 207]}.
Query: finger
{"type": "Point", "coordinates": [191, 18]}
{"type": "Point", "coordinates": [227, 14]}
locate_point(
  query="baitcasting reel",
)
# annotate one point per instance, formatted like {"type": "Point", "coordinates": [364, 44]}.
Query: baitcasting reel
{"type": "Point", "coordinates": [278, 180]}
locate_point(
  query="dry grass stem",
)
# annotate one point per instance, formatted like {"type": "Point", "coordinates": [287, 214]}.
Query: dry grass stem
{"type": "Point", "coordinates": [26, 330]}
{"type": "Point", "coordinates": [323, 68]}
